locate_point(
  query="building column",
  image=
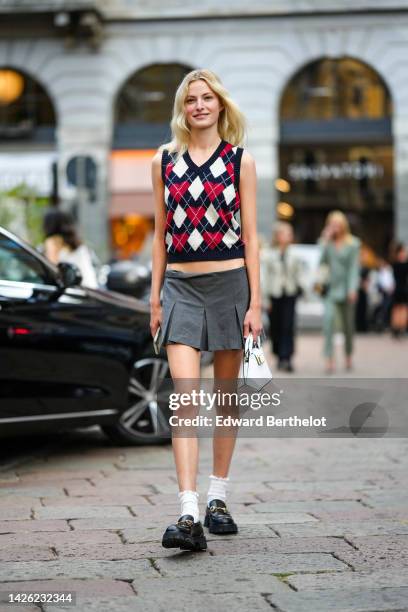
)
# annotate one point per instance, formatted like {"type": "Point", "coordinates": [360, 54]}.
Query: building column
{"type": "Point", "coordinates": [92, 216]}
{"type": "Point", "coordinates": [264, 147]}
{"type": "Point", "coordinates": [400, 125]}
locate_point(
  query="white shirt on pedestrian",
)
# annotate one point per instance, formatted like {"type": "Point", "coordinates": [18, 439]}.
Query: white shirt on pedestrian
{"type": "Point", "coordinates": [81, 257]}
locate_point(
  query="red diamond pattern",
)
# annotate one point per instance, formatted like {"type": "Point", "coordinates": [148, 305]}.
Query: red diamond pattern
{"type": "Point", "coordinates": [213, 190]}
{"type": "Point", "coordinates": [177, 190]}
{"type": "Point", "coordinates": [169, 218]}
{"type": "Point", "coordinates": [212, 238]}
{"type": "Point", "coordinates": [225, 216]}
{"type": "Point", "coordinates": [195, 214]}
{"type": "Point", "coordinates": [179, 240]}
{"type": "Point", "coordinates": [230, 170]}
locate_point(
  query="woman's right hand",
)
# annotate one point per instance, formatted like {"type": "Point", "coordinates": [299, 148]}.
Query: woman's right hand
{"type": "Point", "coordinates": [327, 233]}
{"type": "Point", "coordinates": [155, 317]}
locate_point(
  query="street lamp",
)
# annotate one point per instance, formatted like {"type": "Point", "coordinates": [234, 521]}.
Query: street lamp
{"type": "Point", "coordinates": [11, 86]}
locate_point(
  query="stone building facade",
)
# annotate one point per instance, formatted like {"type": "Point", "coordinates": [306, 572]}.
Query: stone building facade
{"type": "Point", "coordinates": [256, 49]}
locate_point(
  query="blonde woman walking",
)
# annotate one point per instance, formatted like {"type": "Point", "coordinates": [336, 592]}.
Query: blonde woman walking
{"type": "Point", "coordinates": [205, 255]}
{"type": "Point", "coordinates": [341, 255]}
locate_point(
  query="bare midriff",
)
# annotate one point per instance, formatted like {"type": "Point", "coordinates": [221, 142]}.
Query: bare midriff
{"type": "Point", "coordinates": [207, 266]}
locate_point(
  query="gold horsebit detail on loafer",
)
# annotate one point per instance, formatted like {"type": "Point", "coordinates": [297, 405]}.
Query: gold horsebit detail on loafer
{"type": "Point", "coordinates": [219, 509]}
{"type": "Point", "coordinates": [186, 523]}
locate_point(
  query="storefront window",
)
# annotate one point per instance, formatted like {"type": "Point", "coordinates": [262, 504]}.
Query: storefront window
{"type": "Point", "coordinates": [355, 179]}
{"type": "Point", "coordinates": [144, 105]}
{"type": "Point", "coordinates": [336, 151]}
{"type": "Point", "coordinates": [26, 111]}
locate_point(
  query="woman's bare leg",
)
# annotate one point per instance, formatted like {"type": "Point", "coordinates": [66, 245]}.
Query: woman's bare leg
{"type": "Point", "coordinates": [226, 368]}
{"type": "Point", "coordinates": [184, 363]}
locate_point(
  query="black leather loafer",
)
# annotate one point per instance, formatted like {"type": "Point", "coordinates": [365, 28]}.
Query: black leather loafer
{"type": "Point", "coordinates": [218, 519]}
{"type": "Point", "coordinates": [185, 534]}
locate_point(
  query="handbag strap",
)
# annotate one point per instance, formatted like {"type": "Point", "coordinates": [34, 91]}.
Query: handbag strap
{"type": "Point", "coordinates": [250, 343]}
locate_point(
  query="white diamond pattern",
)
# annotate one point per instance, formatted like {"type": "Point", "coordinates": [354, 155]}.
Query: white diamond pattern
{"type": "Point", "coordinates": [230, 238]}
{"type": "Point", "coordinates": [211, 215]}
{"type": "Point", "coordinates": [180, 167]}
{"type": "Point", "coordinates": [168, 238]}
{"type": "Point", "coordinates": [234, 222]}
{"type": "Point", "coordinates": [179, 216]}
{"type": "Point", "coordinates": [229, 193]}
{"type": "Point", "coordinates": [218, 167]}
{"type": "Point", "coordinates": [166, 194]}
{"type": "Point", "coordinates": [196, 188]}
{"type": "Point", "coordinates": [195, 239]}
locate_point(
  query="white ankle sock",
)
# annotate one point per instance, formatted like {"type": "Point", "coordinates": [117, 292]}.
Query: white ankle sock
{"type": "Point", "coordinates": [189, 503]}
{"type": "Point", "coordinates": [218, 488]}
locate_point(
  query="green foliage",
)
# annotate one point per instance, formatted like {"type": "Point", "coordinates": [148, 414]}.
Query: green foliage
{"type": "Point", "coordinates": [22, 211]}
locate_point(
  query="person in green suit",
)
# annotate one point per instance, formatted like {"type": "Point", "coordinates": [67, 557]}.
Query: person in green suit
{"type": "Point", "coordinates": [341, 258]}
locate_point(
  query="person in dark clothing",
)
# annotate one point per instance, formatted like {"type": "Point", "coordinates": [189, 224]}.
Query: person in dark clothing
{"type": "Point", "coordinates": [361, 322]}
{"type": "Point", "coordinates": [399, 315]}
{"type": "Point", "coordinates": [385, 286]}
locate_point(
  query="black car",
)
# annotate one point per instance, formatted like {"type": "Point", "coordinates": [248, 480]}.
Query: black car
{"type": "Point", "coordinates": [128, 276]}
{"type": "Point", "coordinates": [72, 356]}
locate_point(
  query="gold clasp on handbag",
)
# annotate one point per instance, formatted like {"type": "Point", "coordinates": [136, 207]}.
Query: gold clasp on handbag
{"type": "Point", "coordinates": [259, 359]}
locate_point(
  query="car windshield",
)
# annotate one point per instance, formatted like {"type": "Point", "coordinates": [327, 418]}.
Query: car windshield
{"type": "Point", "coordinates": [18, 265]}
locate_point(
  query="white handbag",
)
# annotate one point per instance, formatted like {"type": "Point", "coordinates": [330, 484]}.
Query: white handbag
{"type": "Point", "coordinates": [254, 370]}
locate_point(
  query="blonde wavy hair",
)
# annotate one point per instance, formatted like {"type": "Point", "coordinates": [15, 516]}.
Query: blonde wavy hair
{"type": "Point", "coordinates": [278, 227]}
{"type": "Point", "coordinates": [340, 217]}
{"type": "Point", "coordinates": [231, 121]}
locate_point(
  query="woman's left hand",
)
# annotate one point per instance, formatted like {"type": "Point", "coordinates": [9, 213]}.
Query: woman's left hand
{"type": "Point", "coordinates": [253, 322]}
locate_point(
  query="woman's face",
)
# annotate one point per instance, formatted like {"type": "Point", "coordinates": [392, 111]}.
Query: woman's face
{"type": "Point", "coordinates": [337, 227]}
{"type": "Point", "coordinates": [284, 236]}
{"type": "Point", "coordinates": [202, 106]}
{"type": "Point", "coordinates": [402, 255]}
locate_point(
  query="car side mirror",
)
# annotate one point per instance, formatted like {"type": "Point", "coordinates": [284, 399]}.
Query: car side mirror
{"type": "Point", "coordinates": [69, 275]}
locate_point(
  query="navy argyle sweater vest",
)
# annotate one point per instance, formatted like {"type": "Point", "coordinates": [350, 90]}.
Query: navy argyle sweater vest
{"type": "Point", "coordinates": [202, 205]}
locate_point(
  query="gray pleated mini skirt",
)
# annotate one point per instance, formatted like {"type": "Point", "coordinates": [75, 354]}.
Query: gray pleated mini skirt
{"type": "Point", "coordinates": [205, 310]}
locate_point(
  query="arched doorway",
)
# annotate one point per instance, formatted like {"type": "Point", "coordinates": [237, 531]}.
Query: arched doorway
{"type": "Point", "coordinates": [336, 150]}
{"type": "Point", "coordinates": [142, 113]}
{"type": "Point", "coordinates": [27, 152]}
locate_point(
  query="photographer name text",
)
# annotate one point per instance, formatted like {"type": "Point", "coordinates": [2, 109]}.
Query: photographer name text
{"type": "Point", "coordinates": [260, 421]}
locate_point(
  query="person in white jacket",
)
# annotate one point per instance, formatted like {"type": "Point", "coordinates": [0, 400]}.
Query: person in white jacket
{"type": "Point", "coordinates": [282, 281]}
{"type": "Point", "coordinates": [62, 244]}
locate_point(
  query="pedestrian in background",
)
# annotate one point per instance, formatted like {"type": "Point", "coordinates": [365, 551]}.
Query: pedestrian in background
{"type": "Point", "coordinates": [385, 285]}
{"type": "Point", "coordinates": [282, 282]}
{"type": "Point", "coordinates": [399, 314]}
{"type": "Point", "coordinates": [362, 305]}
{"type": "Point", "coordinates": [341, 256]}
{"type": "Point", "coordinates": [62, 244]}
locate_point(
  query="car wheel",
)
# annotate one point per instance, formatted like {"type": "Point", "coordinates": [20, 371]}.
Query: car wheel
{"type": "Point", "coordinates": [145, 420]}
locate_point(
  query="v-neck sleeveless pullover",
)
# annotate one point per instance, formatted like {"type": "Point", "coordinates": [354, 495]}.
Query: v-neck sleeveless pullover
{"type": "Point", "coordinates": [202, 205]}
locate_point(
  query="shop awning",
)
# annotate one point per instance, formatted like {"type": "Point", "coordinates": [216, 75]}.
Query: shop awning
{"type": "Point", "coordinates": [130, 183]}
{"type": "Point", "coordinates": [140, 203]}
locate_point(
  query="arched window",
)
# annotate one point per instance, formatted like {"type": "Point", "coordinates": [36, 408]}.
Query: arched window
{"type": "Point", "coordinates": [336, 150]}
{"type": "Point", "coordinates": [26, 110]}
{"type": "Point", "coordinates": [336, 88]}
{"type": "Point", "coordinates": [144, 105]}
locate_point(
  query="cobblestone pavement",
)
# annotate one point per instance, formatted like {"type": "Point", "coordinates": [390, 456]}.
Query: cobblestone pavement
{"type": "Point", "coordinates": [323, 523]}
